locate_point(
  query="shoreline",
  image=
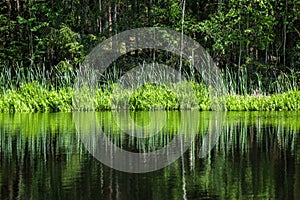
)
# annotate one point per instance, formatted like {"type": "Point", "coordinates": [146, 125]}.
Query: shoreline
{"type": "Point", "coordinates": [32, 98]}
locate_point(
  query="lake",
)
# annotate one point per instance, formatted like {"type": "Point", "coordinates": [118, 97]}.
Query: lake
{"type": "Point", "coordinates": [233, 155]}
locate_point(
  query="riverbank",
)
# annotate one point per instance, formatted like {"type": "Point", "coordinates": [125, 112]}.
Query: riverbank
{"type": "Point", "coordinates": [31, 97]}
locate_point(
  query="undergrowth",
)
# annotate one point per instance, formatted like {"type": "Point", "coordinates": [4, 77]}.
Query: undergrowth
{"type": "Point", "coordinates": [32, 97]}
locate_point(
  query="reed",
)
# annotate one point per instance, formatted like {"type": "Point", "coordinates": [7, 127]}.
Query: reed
{"type": "Point", "coordinates": [32, 97]}
{"type": "Point", "coordinates": [148, 87]}
{"type": "Point", "coordinates": [59, 76]}
{"type": "Point", "coordinates": [246, 83]}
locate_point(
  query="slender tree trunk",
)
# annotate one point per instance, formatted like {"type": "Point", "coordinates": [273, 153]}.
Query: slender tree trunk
{"type": "Point", "coordinates": [149, 12]}
{"type": "Point", "coordinates": [100, 16]}
{"type": "Point", "coordinates": [266, 54]}
{"type": "Point", "coordinates": [30, 37]}
{"type": "Point", "coordinates": [239, 63]}
{"type": "Point", "coordinates": [181, 42]}
{"type": "Point", "coordinates": [109, 18]}
{"type": "Point", "coordinates": [18, 6]}
{"type": "Point", "coordinates": [284, 34]}
{"type": "Point", "coordinates": [115, 14]}
{"type": "Point", "coordinates": [9, 13]}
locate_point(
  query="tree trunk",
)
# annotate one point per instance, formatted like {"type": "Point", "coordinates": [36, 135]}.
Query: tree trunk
{"type": "Point", "coordinates": [284, 34]}
{"type": "Point", "coordinates": [181, 39]}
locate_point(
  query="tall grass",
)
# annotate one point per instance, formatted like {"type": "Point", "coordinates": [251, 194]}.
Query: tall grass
{"type": "Point", "coordinates": [32, 97]}
{"type": "Point", "coordinates": [244, 82]}
{"type": "Point", "coordinates": [60, 76]}
{"type": "Point", "coordinates": [147, 87]}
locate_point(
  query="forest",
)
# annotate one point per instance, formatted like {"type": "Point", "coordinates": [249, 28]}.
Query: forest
{"type": "Point", "coordinates": [255, 43]}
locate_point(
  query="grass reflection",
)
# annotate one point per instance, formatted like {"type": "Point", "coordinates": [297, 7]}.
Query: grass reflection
{"type": "Point", "coordinates": [256, 156]}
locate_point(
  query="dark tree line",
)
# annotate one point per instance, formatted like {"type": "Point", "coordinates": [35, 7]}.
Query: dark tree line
{"type": "Point", "coordinates": [262, 36]}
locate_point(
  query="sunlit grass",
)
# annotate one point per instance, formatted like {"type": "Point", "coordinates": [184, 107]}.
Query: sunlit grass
{"type": "Point", "coordinates": [40, 90]}
{"type": "Point", "coordinates": [32, 97]}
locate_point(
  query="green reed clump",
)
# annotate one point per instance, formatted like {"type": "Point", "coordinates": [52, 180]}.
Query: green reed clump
{"type": "Point", "coordinates": [153, 97]}
{"type": "Point", "coordinates": [174, 96]}
{"type": "Point", "coordinates": [31, 97]}
{"type": "Point", "coordinates": [103, 98]}
{"type": "Point", "coordinates": [202, 94]}
{"type": "Point", "coordinates": [289, 101]}
{"type": "Point", "coordinates": [184, 91]}
{"type": "Point", "coordinates": [60, 100]}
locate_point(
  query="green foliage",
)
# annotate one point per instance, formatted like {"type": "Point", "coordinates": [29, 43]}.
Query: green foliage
{"type": "Point", "coordinates": [61, 76]}
{"type": "Point", "coordinates": [153, 97]}
{"type": "Point", "coordinates": [13, 102]}
{"type": "Point", "coordinates": [233, 24]}
{"type": "Point", "coordinates": [33, 98]}
{"type": "Point", "coordinates": [289, 101]}
{"type": "Point", "coordinates": [183, 95]}
{"type": "Point", "coordinates": [68, 42]}
{"type": "Point", "coordinates": [61, 100]}
{"type": "Point", "coordinates": [187, 98]}
{"type": "Point", "coordinates": [45, 41]}
{"type": "Point", "coordinates": [120, 97]}
{"type": "Point", "coordinates": [103, 99]}
{"type": "Point", "coordinates": [204, 102]}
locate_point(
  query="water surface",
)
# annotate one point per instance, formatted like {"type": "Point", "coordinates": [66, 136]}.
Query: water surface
{"type": "Point", "coordinates": [256, 156]}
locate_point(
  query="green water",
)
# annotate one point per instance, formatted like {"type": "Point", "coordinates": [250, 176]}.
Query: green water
{"type": "Point", "coordinates": [257, 156]}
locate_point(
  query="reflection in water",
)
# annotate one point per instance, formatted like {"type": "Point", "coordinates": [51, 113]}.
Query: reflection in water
{"type": "Point", "coordinates": [146, 150]}
{"type": "Point", "coordinates": [256, 156]}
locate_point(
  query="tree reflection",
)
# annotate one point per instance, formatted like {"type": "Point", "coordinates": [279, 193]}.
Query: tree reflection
{"type": "Point", "coordinates": [256, 156]}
